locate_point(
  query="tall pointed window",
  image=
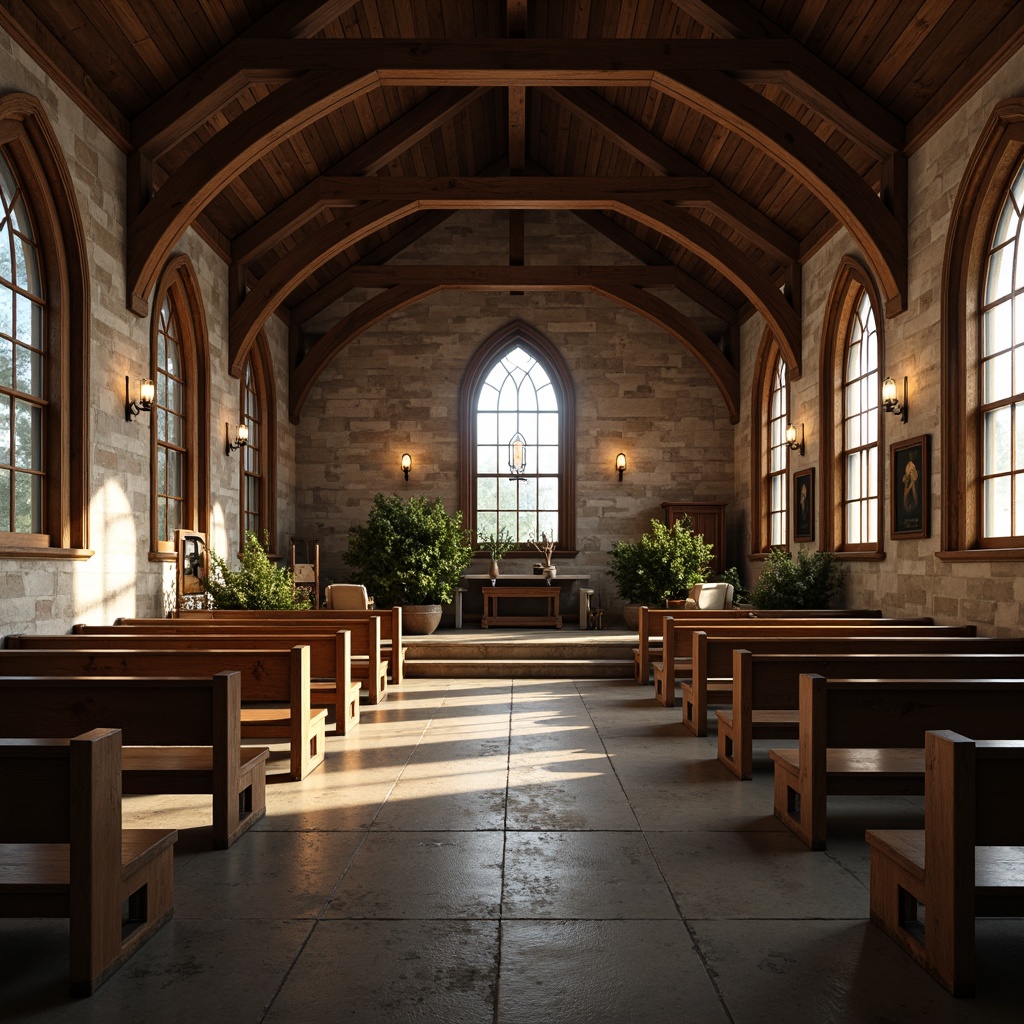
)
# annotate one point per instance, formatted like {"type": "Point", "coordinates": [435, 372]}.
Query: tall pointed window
{"type": "Point", "coordinates": [23, 354]}
{"type": "Point", "coordinates": [860, 429]}
{"type": "Point", "coordinates": [257, 470]}
{"type": "Point", "coordinates": [180, 417]}
{"type": "Point", "coordinates": [777, 457]}
{"type": "Point", "coordinates": [1001, 378]}
{"type": "Point", "coordinates": [518, 445]}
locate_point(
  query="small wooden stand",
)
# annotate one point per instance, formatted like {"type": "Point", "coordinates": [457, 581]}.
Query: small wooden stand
{"type": "Point", "coordinates": [306, 574]}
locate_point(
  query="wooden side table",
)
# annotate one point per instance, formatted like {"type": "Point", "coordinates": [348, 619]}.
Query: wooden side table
{"type": "Point", "coordinates": [492, 617]}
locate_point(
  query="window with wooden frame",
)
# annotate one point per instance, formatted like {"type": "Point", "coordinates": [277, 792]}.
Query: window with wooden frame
{"type": "Point", "coordinates": [851, 416]}
{"type": "Point", "coordinates": [256, 468]}
{"type": "Point", "coordinates": [44, 331]}
{"type": "Point", "coordinates": [769, 464]}
{"type": "Point", "coordinates": [518, 441]}
{"type": "Point", "coordinates": [179, 418]}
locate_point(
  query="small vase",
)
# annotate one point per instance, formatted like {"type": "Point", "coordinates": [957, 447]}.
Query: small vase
{"type": "Point", "coordinates": [549, 572]}
{"type": "Point", "coordinates": [493, 570]}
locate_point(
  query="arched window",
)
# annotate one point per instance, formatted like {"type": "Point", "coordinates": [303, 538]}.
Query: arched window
{"type": "Point", "coordinates": [1001, 378]}
{"type": "Point", "coordinates": [852, 352]}
{"type": "Point", "coordinates": [769, 453]}
{"type": "Point", "coordinates": [861, 388]}
{"type": "Point", "coordinates": [180, 432]}
{"type": "Point", "coordinates": [777, 480]}
{"type": "Point", "coordinates": [44, 317]}
{"type": "Point", "coordinates": [258, 490]}
{"type": "Point", "coordinates": [518, 441]}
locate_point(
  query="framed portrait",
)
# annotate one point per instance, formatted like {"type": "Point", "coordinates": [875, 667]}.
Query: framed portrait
{"type": "Point", "coordinates": [803, 505]}
{"type": "Point", "coordinates": [909, 473]}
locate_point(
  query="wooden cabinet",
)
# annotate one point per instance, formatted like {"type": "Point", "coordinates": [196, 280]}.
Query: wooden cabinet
{"type": "Point", "coordinates": [708, 519]}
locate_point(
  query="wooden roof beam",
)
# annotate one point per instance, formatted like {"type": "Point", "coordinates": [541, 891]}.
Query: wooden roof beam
{"type": "Point", "coordinates": [646, 147]}
{"type": "Point", "coordinates": [163, 220]}
{"type": "Point", "coordinates": [404, 132]}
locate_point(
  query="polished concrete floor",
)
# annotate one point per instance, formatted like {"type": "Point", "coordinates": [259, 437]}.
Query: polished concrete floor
{"type": "Point", "coordinates": [516, 851]}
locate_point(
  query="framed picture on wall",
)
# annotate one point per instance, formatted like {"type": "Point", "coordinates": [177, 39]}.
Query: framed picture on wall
{"type": "Point", "coordinates": [909, 473]}
{"type": "Point", "coordinates": [803, 505]}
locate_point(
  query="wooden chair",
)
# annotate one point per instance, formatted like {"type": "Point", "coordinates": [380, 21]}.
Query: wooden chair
{"type": "Point", "coordinates": [64, 854]}
{"type": "Point", "coordinates": [967, 862]}
{"type": "Point", "coordinates": [347, 597]}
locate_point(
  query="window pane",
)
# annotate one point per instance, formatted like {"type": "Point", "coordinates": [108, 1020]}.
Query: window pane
{"type": "Point", "coordinates": [997, 329]}
{"type": "Point", "coordinates": [6, 265]}
{"type": "Point", "coordinates": [28, 503]}
{"type": "Point", "coordinates": [998, 377]}
{"type": "Point", "coordinates": [1006, 229]}
{"type": "Point", "coordinates": [547, 459]}
{"type": "Point", "coordinates": [547, 495]}
{"type": "Point", "coordinates": [508, 493]}
{"type": "Point", "coordinates": [486, 493]}
{"type": "Point", "coordinates": [528, 493]}
{"type": "Point", "coordinates": [486, 525]}
{"type": "Point", "coordinates": [997, 441]}
{"type": "Point", "coordinates": [527, 525]}
{"type": "Point", "coordinates": [999, 273]}
{"type": "Point", "coordinates": [5, 500]}
{"type": "Point", "coordinates": [486, 459]}
{"type": "Point", "coordinates": [6, 311]}
{"type": "Point", "coordinates": [997, 507]}
{"type": "Point", "coordinates": [27, 436]}
{"type": "Point", "coordinates": [6, 363]}
{"type": "Point", "coordinates": [6, 454]}
{"type": "Point", "coordinates": [487, 428]}
{"type": "Point", "coordinates": [547, 523]}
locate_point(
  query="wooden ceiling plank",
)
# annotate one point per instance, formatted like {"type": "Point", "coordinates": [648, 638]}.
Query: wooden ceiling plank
{"type": "Point", "coordinates": [881, 236]}
{"type": "Point", "coordinates": [369, 158]}
{"type": "Point", "coordinates": [163, 220]}
{"type": "Point", "coordinates": [26, 29]}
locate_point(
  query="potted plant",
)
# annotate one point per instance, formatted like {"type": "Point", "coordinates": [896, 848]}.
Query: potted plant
{"type": "Point", "coordinates": [809, 582]}
{"type": "Point", "coordinates": [659, 567]}
{"type": "Point", "coordinates": [410, 553]}
{"type": "Point", "coordinates": [257, 583]}
{"type": "Point", "coordinates": [497, 545]}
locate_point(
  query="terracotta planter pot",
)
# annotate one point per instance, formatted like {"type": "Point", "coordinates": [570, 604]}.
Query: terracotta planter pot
{"type": "Point", "coordinates": [420, 619]}
{"type": "Point", "coordinates": [631, 616]}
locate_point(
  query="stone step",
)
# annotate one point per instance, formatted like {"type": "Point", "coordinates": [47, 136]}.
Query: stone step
{"type": "Point", "coordinates": [523, 668]}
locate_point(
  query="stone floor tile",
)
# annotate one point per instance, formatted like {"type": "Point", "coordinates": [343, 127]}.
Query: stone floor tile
{"type": "Point", "coordinates": [393, 972]}
{"type": "Point", "coordinates": [437, 800]}
{"type": "Point", "coordinates": [602, 972]}
{"type": "Point", "coordinates": [583, 875]}
{"type": "Point", "coordinates": [422, 875]}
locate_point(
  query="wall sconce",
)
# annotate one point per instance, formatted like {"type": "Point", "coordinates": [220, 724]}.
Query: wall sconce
{"type": "Point", "coordinates": [620, 464]}
{"type": "Point", "coordinates": [406, 464]}
{"type": "Point", "coordinates": [133, 406]}
{"type": "Point", "coordinates": [517, 456]}
{"type": "Point", "coordinates": [241, 437]}
{"type": "Point", "coordinates": [890, 401]}
{"type": "Point", "coordinates": [791, 441]}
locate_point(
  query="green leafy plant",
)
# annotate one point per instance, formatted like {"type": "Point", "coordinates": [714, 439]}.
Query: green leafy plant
{"type": "Point", "coordinates": [809, 582]}
{"type": "Point", "coordinates": [410, 552]}
{"type": "Point", "coordinates": [662, 565]}
{"type": "Point", "coordinates": [257, 583]}
{"type": "Point", "coordinates": [499, 545]}
{"type": "Point", "coordinates": [740, 594]}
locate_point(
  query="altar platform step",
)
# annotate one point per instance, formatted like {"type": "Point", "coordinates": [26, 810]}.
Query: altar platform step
{"type": "Point", "coordinates": [525, 653]}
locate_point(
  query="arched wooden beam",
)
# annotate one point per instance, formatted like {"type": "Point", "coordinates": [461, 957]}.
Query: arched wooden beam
{"type": "Point", "coordinates": [683, 329]}
{"type": "Point", "coordinates": [434, 279]}
{"type": "Point", "coordinates": [501, 193]}
{"type": "Point", "coordinates": [320, 247]}
{"type": "Point", "coordinates": [163, 220]}
{"type": "Point", "coordinates": [315, 361]}
{"type": "Point", "coordinates": [881, 236]}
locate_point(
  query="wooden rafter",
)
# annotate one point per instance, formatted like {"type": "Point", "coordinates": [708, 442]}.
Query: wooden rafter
{"type": "Point", "coordinates": [376, 153]}
{"type": "Point", "coordinates": [161, 222]}
{"type": "Point", "coordinates": [638, 198]}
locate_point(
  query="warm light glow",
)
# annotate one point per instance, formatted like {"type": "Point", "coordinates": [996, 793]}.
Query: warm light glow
{"type": "Point", "coordinates": [147, 392]}
{"type": "Point", "coordinates": [242, 434]}
{"type": "Point", "coordinates": [790, 434]}
{"type": "Point", "coordinates": [517, 454]}
{"type": "Point", "coordinates": [620, 463]}
{"type": "Point", "coordinates": [888, 392]}
{"type": "Point", "coordinates": [406, 464]}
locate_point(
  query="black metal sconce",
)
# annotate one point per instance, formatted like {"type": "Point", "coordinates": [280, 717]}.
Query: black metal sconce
{"type": "Point", "coordinates": [144, 402]}
{"type": "Point", "coordinates": [890, 401]}
{"type": "Point", "coordinates": [791, 441]}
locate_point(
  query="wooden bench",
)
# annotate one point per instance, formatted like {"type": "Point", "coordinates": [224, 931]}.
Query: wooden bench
{"type": "Point", "coordinates": [711, 650]}
{"type": "Point", "coordinates": [866, 737]}
{"type": "Point", "coordinates": [276, 676]}
{"type": "Point", "coordinates": [328, 660]}
{"type": "Point", "coordinates": [651, 625]}
{"type": "Point", "coordinates": [766, 685]}
{"type": "Point", "coordinates": [64, 853]}
{"type": "Point", "coordinates": [967, 862]}
{"type": "Point", "coordinates": [492, 595]}
{"type": "Point", "coordinates": [180, 735]}
{"type": "Point", "coordinates": [392, 645]}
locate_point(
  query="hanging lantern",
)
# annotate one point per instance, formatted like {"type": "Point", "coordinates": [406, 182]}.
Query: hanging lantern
{"type": "Point", "coordinates": [517, 455]}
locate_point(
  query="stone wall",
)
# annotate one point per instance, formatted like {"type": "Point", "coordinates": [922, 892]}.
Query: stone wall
{"type": "Point", "coordinates": [119, 579]}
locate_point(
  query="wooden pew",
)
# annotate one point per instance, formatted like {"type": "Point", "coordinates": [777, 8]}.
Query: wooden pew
{"type": "Point", "coordinates": [766, 685]}
{"type": "Point", "coordinates": [967, 862]}
{"type": "Point", "coordinates": [365, 660]}
{"type": "Point", "coordinates": [180, 735]}
{"type": "Point", "coordinates": [711, 650]}
{"type": "Point", "coordinates": [270, 675]}
{"type": "Point", "coordinates": [64, 853]}
{"type": "Point", "coordinates": [866, 737]}
{"type": "Point", "coordinates": [651, 625]}
{"type": "Point", "coordinates": [393, 647]}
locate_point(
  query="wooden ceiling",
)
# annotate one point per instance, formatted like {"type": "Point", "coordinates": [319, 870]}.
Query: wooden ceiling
{"type": "Point", "coordinates": [718, 142]}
